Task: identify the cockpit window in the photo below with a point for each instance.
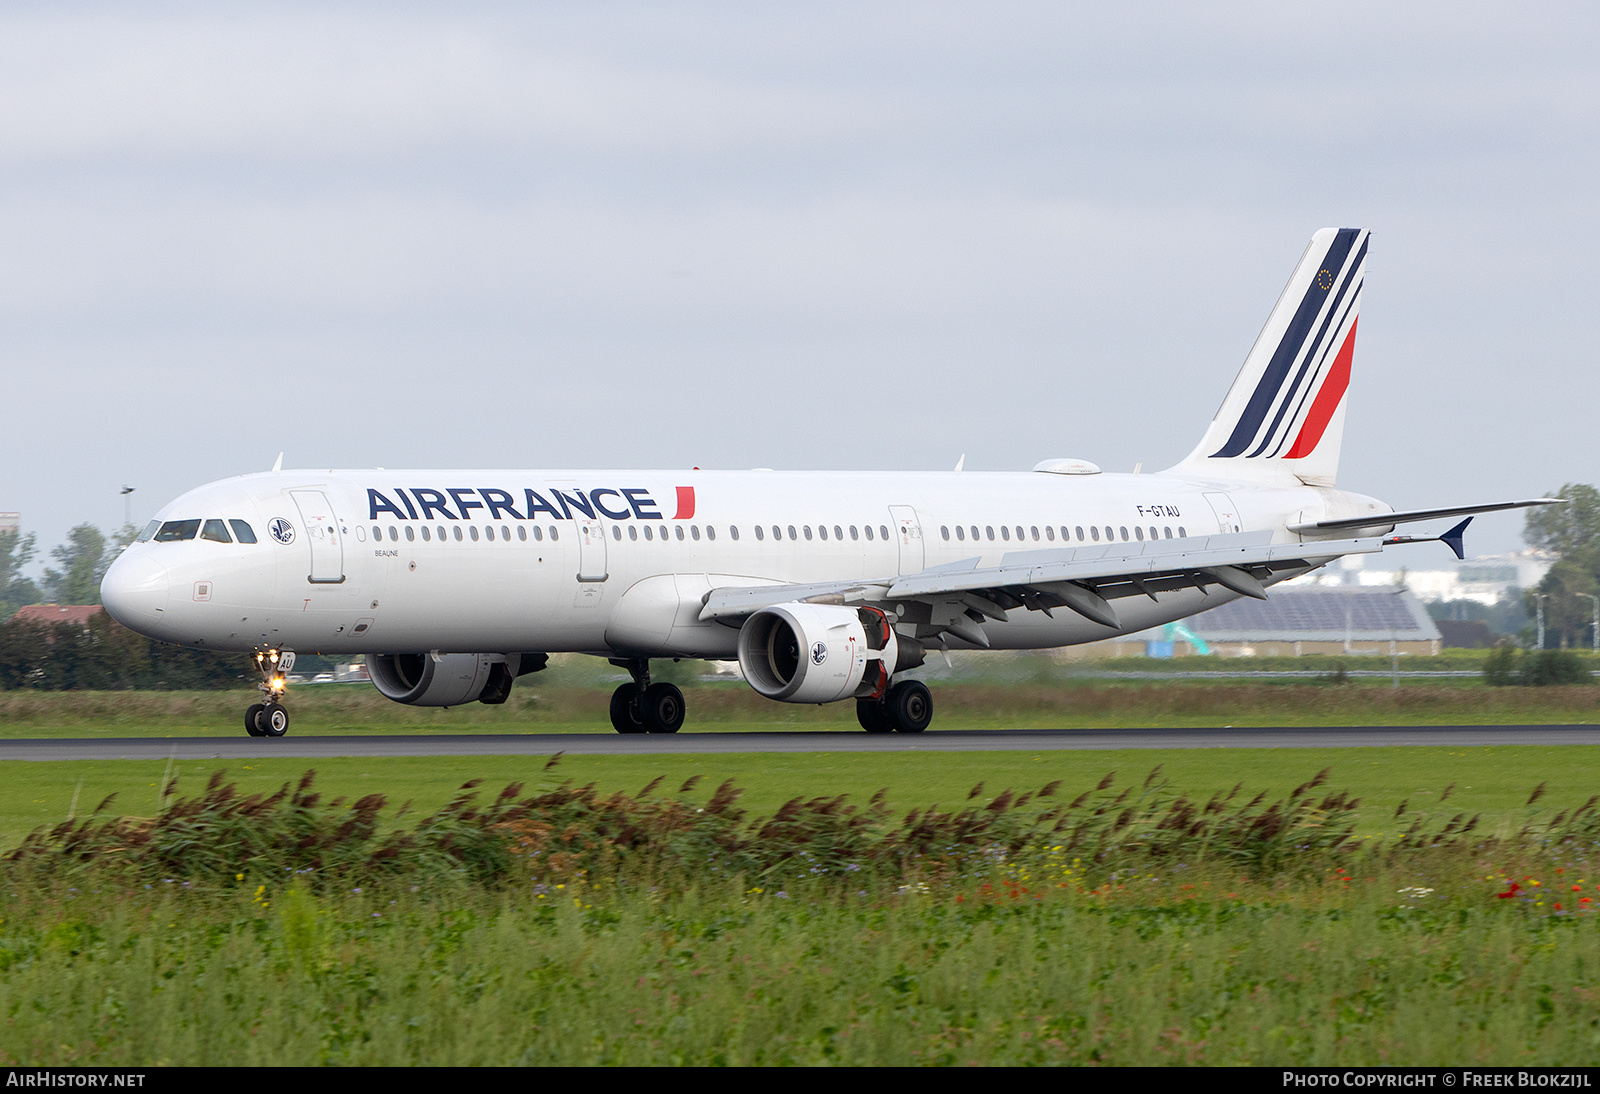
(175, 530)
(149, 530)
(242, 531)
(216, 531)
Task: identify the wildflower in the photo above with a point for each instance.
(1510, 892)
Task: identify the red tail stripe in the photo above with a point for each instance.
(1326, 402)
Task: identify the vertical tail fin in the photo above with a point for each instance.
(1284, 416)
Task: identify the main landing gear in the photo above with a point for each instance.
(270, 719)
(643, 707)
(907, 708)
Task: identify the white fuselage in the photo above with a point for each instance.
(617, 562)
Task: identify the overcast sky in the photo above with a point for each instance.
(797, 236)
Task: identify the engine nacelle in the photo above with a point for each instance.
(817, 653)
(448, 680)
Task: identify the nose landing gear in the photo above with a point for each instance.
(270, 719)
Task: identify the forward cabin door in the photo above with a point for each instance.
(322, 532)
(908, 532)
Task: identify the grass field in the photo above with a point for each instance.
(1494, 782)
(1066, 703)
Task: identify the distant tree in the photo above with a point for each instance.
(16, 551)
(1572, 532)
(83, 559)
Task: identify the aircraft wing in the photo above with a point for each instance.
(1083, 579)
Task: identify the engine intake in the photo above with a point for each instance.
(817, 653)
(451, 679)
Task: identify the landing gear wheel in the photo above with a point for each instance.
(625, 711)
(662, 709)
(273, 721)
(872, 716)
(250, 716)
(909, 706)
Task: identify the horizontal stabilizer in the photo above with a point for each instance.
(1384, 520)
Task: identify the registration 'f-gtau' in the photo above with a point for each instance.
(824, 586)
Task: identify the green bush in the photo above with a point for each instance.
(1544, 667)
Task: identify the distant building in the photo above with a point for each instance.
(1296, 620)
(10, 522)
(1485, 579)
(59, 613)
(1465, 634)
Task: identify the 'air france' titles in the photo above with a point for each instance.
(459, 503)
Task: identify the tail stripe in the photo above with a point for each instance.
(1327, 401)
(1316, 356)
(1326, 352)
(1288, 350)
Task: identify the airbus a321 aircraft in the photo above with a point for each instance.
(826, 586)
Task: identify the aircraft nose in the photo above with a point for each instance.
(134, 591)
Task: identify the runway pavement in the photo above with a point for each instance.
(1017, 740)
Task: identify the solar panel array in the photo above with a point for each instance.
(1314, 611)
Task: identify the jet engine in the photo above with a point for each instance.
(818, 653)
(450, 679)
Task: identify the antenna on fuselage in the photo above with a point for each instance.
(961, 461)
(277, 464)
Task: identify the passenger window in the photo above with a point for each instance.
(1153, 533)
(175, 530)
(472, 530)
(733, 531)
(555, 534)
(150, 530)
(760, 535)
(1019, 533)
(974, 533)
(807, 531)
(488, 532)
(791, 532)
(853, 532)
(633, 532)
(944, 531)
(1138, 533)
(838, 533)
(1095, 532)
(616, 532)
(711, 533)
(457, 530)
(869, 533)
(1049, 534)
(522, 533)
(1079, 530)
(1110, 535)
(1005, 533)
(377, 534)
(883, 530)
(1181, 533)
(1035, 532)
(961, 533)
(989, 530)
(822, 531)
(216, 532)
(1124, 533)
(1167, 528)
(394, 534)
(678, 531)
(505, 533)
(777, 533)
(242, 531)
(538, 533)
(694, 532)
(410, 534)
(647, 533)
(427, 536)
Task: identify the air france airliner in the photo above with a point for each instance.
(824, 586)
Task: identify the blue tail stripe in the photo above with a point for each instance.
(1327, 352)
(1288, 350)
(1313, 353)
